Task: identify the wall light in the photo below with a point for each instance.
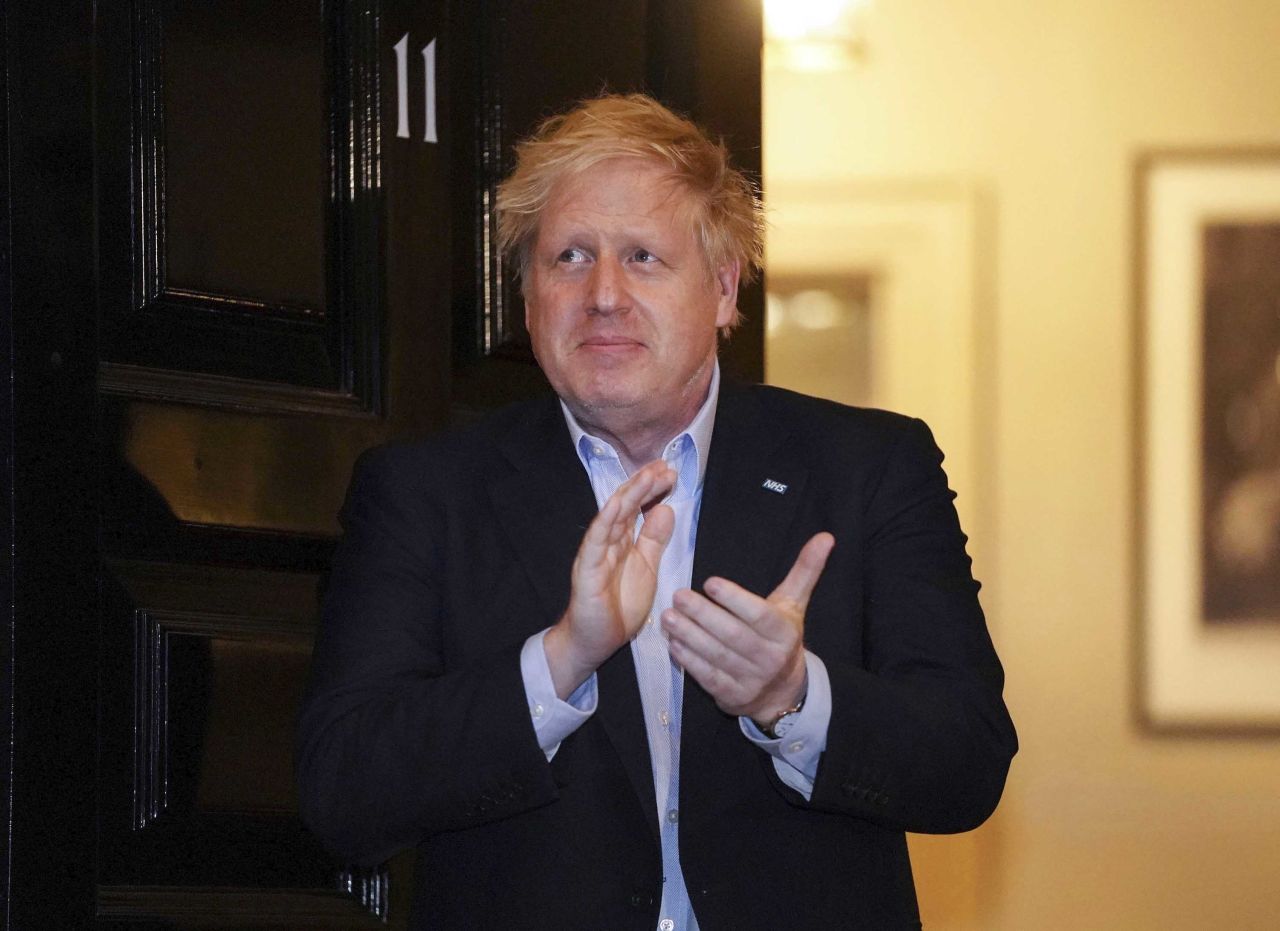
(815, 35)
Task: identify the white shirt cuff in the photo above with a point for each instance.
(795, 756)
(553, 719)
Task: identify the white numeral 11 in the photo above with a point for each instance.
(402, 88)
(429, 63)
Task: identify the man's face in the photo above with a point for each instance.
(619, 302)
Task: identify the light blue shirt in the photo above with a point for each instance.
(661, 681)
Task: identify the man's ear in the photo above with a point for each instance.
(726, 281)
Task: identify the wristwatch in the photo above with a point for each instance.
(783, 721)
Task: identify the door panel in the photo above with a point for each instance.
(237, 163)
(196, 791)
(228, 208)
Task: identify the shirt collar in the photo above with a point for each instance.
(699, 429)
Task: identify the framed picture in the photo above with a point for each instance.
(1208, 292)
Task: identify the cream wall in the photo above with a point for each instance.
(1040, 108)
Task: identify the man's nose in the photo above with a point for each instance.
(608, 294)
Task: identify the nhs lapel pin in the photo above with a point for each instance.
(775, 486)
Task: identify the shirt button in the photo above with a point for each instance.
(537, 710)
(673, 816)
(664, 718)
(666, 924)
(598, 450)
(795, 746)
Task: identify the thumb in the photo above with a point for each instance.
(798, 585)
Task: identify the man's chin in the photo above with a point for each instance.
(610, 390)
(611, 403)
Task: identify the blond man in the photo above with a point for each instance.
(663, 652)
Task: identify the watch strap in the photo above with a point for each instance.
(769, 728)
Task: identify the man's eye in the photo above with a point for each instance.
(571, 255)
(644, 255)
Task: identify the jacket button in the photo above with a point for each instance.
(640, 900)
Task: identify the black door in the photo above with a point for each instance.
(245, 240)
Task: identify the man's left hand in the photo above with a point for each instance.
(745, 650)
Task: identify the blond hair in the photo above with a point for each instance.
(727, 214)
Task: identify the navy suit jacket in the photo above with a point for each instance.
(415, 730)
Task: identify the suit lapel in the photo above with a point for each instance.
(621, 713)
(544, 505)
(544, 502)
(753, 490)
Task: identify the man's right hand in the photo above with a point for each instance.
(615, 576)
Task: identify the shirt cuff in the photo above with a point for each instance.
(795, 756)
(553, 719)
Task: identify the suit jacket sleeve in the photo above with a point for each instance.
(919, 738)
(394, 746)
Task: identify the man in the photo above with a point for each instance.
(667, 653)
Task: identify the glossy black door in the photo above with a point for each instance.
(249, 240)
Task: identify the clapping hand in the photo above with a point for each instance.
(615, 576)
(745, 650)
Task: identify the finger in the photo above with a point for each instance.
(689, 634)
(615, 521)
(735, 632)
(596, 540)
(616, 518)
(719, 684)
(655, 471)
(749, 607)
(655, 479)
(798, 585)
(655, 532)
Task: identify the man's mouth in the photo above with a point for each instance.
(610, 343)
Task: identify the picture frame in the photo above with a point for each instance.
(1207, 292)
